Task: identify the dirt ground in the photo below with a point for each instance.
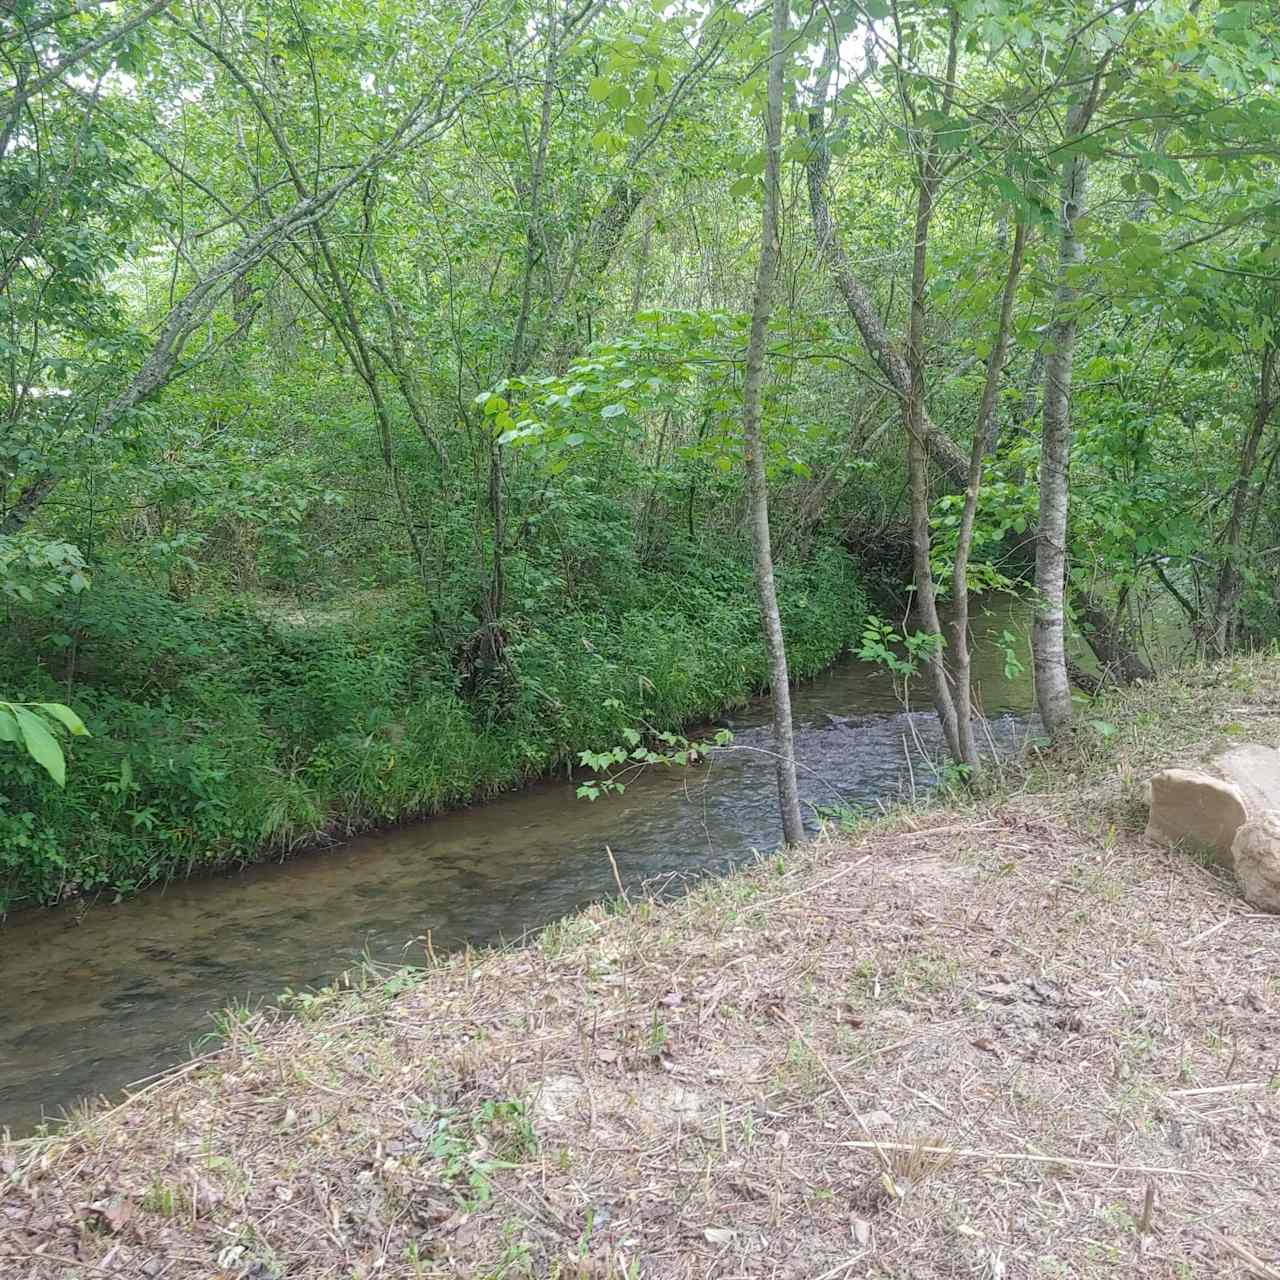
(1009, 1040)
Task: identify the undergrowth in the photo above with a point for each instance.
(224, 731)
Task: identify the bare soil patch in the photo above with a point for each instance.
(969, 1043)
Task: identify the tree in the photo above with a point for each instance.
(1048, 635)
(757, 482)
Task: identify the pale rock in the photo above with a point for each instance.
(1188, 804)
(1255, 770)
(1209, 805)
(1257, 855)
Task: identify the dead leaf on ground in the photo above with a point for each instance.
(114, 1214)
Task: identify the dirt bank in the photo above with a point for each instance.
(983, 1042)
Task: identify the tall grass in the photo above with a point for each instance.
(224, 734)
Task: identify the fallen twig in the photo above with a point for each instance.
(1262, 1269)
(1208, 933)
(1216, 1088)
(968, 1153)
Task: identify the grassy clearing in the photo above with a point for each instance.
(1008, 1040)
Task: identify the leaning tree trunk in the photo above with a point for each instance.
(771, 620)
(1049, 628)
(855, 295)
(1230, 584)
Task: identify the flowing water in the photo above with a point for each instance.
(92, 1001)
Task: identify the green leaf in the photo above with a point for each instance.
(42, 745)
(743, 187)
(66, 716)
(613, 410)
(8, 726)
(600, 88)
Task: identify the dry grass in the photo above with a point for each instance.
(986, 1043)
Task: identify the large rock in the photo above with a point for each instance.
(1190, 806)
(1208, 806)
(1256, 771)
(1257, 856)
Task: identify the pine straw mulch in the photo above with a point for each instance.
(985, 1046)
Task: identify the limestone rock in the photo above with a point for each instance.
(1257, 856)
(1209, 805)
(1188, 804)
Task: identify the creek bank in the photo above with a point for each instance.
(90, 1009)
(225, 734)
(972, 1037)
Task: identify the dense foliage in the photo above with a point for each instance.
(226, 728)
(373, 377)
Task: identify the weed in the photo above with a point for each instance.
(239, 730)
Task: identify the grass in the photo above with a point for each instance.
(223, 734)
(1007, 1038)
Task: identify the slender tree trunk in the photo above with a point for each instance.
(1049, 628)
(926, 597)
(1230, 584)
(928, 178)
(758, 488)
(984, 432)
(534, 235)
(351, 333)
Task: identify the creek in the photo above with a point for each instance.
(92, 1000)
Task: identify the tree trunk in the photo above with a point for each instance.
(758, 488)
(926, 597)
(984, 432)
(1049, 630)
(1111, 644)
(1230, 584)
(959, 737)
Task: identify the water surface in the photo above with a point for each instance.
(92, 1002)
